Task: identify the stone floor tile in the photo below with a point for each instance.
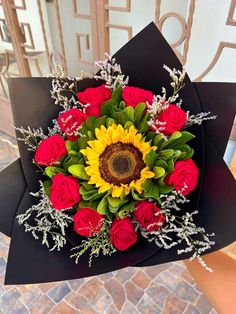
(134, 294)
(90, 288)
(176, 269)
(64, 308)
(191, 309)
(2, 265)
(203, 305)
(167, 279)
(105, 277)
(45, 287)
(75, 284)
(129, 308)
(59, 292)
(111, 310)
(153, 271)
(43, 305)
(79, 302)
(8, 300)
(3, 250)
(186, 292)
(102, 301)
(31, 297)
(158, 294)
(141, 279)
(117, 292)
(146, 306)
(125, 274)
(174, 305)
(187, 277)
(19, 308)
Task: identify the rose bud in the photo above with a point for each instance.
(149, 216)
(64, 191)
(50, 150)
(69, 122)
(174, 117)
(185, 173)
(134, 96)
(87, 222)
(95, 97)
(122, 234)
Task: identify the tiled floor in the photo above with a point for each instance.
(167, 288)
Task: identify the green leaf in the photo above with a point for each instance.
(82, 142)
(170, 164)
(99, 122)
(159, 172)
(143, 126)
(153, 191)
(186, 137)
(51, 171)
(90, 122)
(90, 204)
(114, 201)
(151, 158)
(103, 206)
(126, 209)
(122, 105)
(150, 135)
(127, 125)
(78, 171)
(69, 145)
(176, 135)
(166, 153)
(110, 122)
(138, 113)
(120, 117)
(161, 163)
(136, 196)
(117, 94)
(147, 185)
(158, 140)
(47, 187)
(129, 111)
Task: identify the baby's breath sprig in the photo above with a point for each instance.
(46, 221)
(198, 118)
(180, 229)
(161, 102)
(97, 244)
(111, 73)
(31, 137)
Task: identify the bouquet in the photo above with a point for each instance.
(118, 168)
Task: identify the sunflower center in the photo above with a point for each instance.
(121, 163)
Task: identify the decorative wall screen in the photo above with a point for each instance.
(36, 33)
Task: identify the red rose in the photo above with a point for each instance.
(147, 214)
(87, 222)
(50, 150)
(70, 121)
(95, 97)
(134, 96)
(122, 234)
(64, 191)
(185, 173)
(174, 117)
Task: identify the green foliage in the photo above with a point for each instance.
(47, 187)
(150, 159)
(51, 171)
(78, 171)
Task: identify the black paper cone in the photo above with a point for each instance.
(142, 59)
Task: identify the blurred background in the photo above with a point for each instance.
(34, 34)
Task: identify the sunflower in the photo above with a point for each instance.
(116, 160)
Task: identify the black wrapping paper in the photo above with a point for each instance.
(142, 60)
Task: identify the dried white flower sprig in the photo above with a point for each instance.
(48, 223)
(111, 73)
